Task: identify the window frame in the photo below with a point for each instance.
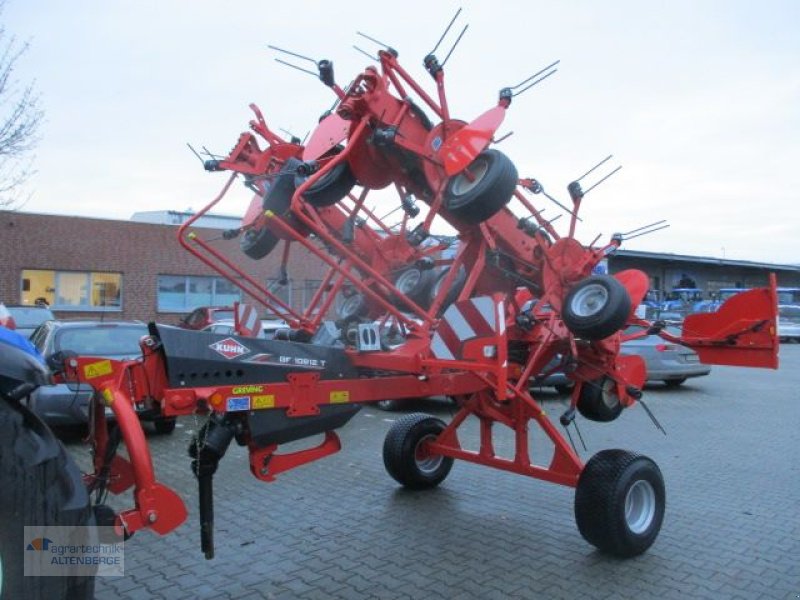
(89, 275)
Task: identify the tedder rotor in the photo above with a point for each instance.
(415, 314)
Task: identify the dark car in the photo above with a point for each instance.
(68, 403)
(27, 318)
(205, 315)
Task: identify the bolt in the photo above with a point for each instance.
(152, 516)
(264, 471)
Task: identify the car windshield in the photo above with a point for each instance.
(29, 317)
(117, 340)
(220, 315)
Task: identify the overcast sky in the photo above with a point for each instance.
(698, 100)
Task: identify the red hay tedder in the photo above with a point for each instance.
(417, 316)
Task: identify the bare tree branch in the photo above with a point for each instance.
(20, 120)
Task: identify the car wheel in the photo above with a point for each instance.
(39, 485)
(164, 425)
(596, 307)
(620, 502)
(674, 383)
(406, 457)
(598, 400)
(483, 189)
(452, 293)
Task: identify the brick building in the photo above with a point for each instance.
(136, 269)
(86, 268)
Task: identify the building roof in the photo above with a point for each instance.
(685, 258)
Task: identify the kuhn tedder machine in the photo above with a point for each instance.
(415, 316)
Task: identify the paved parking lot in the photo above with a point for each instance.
(342, 528)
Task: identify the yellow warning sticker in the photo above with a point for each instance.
(265, 401)
(97, 369)
(340, 397)
(108, 397)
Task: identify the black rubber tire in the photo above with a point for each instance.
(565, 389)
(400, 452)
(603, 493)
(418, 283)
(331, 187)
(165, 425)
(596, 307)
(455, 289)
(475, 201)
(352, 307)
(598, 400)
(39, 485)
(257, 244)
(390, 405)
(674, 383)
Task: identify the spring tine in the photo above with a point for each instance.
(288, 64)
(372, 39)
(644, 227)
(453, 20)
(521, 83)
(646, 232)
(458, 39)
(295, 54)
(365, 53)
(602, 180)
(652, 417)
(197, 154)
(606, 159)
(561, 206)
(542, 78)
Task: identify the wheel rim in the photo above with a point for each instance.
(640, 506)
(426, 462)
(350, 306)
(462, 184)
(408, 280)
(609, 393)
(590, 300)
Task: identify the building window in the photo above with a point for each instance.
(182, 293)
(72, 290)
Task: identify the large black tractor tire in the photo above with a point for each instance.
(331, 187)
(598, 400)
(620, 502)
(452, 293)
(489, 186)
(39, 485)
(415, 284)
(596, 307)
(258, 243)
(404, 455)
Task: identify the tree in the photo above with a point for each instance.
(20, 119)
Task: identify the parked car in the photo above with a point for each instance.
(27, 317)
(789, 323)
(205, 315)
(68, 403)
(227, 327)
(671, 363)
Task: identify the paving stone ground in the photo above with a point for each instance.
(342, 528)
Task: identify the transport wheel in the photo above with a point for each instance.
(165, 425)
(486, 187)
(39, 485)
(415, 285)
(675, 383)
(332, 187)
(619, 502)
(405, 456)
(453, 292)
(598, 400)
(596, 307)
(258, 243)
(352, 307)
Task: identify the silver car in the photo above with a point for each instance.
(68, 403)
(671, 363)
